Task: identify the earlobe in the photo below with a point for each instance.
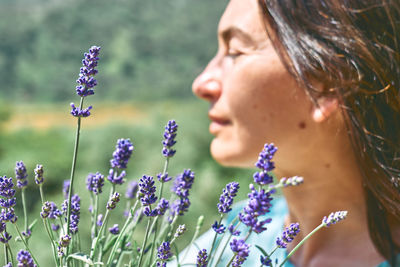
(326, 107)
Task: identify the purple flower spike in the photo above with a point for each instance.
(75, 212)
(265, 261)
(266, 165)
(226, 198)
(8, 265)
(169, 139)
(20, 174)
(232, 230)
(334, 217)
(162, 207)
(147, 190)
(132, 189)
(163, 254)
(99, 220)
(218, 228)
(259, 204)
(95, 182)
(5, 237)
(66, 188)
(77, 112)
(202, 258)
(55, 227)
(288, 235)
(114, 230)
(39, 174)
(112, 203)
(114, 178)
(86, 81)
(122, 153)
(241, 251)
(163, 178)
(6, 187)
(45, 210)
(24, 259)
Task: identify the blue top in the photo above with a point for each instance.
(278, 213)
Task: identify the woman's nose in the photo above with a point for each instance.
(208, 84)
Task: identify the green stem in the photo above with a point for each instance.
(196, 233)
(211, 257)
(41, 193)
(114, 249)
(24, 209)
(51, 240)
(26, 245)
(144, 242)
(302, 242)
(227, 242)
(6, 254)
(94, 246)
(71, 181)
(96, 212)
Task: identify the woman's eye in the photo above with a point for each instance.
(234, 54)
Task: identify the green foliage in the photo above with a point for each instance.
(151, 49)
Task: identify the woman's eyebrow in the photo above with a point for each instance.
(233, 31)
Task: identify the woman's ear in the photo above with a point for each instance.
(326, 107)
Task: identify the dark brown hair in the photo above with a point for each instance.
(353, 48)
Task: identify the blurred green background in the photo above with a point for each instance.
(151, 52)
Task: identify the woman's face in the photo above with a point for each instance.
(253, 99)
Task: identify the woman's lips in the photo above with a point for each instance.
(217, 123)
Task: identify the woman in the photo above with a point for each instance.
(323, 86)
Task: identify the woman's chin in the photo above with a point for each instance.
(229, 155)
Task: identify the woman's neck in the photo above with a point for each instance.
(332, 182)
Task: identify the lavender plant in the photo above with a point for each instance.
(144, 202)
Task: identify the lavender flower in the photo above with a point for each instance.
(182, 184)
(45, 210)
(66, 188)
(288, 235)
(132, 189)
(112, 203)
(114, 230)
(265, 261)
(26, 233)
(169, 139)
(162, 206)
(147, 190)
(334, 217)
(122, 153)
(241, 251)
(39, 174)
(259, 204)
(163, 178)
(266, 165)
(180, 230)
(55, 227)
(77, 112)
(164, 251)
(232, 230)
(8, 265)
(24, 259)
(95, 182)
(86, 81)
(20, 174)
(226, 198)
(202, 258)
(5, 237)
(99, 220)
(8, 202)
(64, 241)
(75, 212)
(218, 228)
(114, 178)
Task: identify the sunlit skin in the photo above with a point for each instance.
(254, 100)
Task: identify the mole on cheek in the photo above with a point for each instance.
(302, 125)
(327, 165)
